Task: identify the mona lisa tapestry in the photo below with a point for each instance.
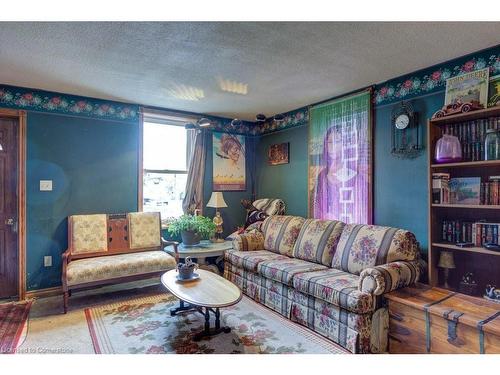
(340, 160)
(228, 162)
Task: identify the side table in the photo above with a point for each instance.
(202, 251)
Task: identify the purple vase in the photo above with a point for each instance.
(448, 149)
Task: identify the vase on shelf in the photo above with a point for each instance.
(448, 149)
(492, 145)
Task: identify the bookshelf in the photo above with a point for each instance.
(484, 263)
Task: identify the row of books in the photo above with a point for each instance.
(471, 135)
(465, 190)
(477, 233)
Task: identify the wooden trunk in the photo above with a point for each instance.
(434, 320)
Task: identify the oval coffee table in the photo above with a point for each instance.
(209, 293)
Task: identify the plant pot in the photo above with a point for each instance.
(190, 238)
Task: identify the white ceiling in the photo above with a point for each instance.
(284, 65)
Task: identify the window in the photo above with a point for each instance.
(165, 155)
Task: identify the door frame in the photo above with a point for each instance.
(21, 194)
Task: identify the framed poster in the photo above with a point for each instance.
(278, 154)
(494, 91)
(228, 151)
(467, 87)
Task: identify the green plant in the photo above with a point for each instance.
(199, 224)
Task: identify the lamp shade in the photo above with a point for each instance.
(217, 200)
(446, 260)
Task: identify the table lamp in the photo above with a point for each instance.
(217, 201)
(446, 262)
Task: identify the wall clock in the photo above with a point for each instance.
(405, 131)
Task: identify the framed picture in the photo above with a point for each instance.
(278, 154)
(228, 151)
(468, 87)
(465, 190)
(494, 91)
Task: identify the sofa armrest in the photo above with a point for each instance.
(248, 241)
(388, 277)
(66, 258)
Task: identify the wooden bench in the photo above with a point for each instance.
(109, 249)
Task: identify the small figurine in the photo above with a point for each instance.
(492, 292)
(458, 107)
(217, 220)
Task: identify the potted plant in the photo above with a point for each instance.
(192, 228)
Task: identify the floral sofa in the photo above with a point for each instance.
(109, 249)
(326, 275)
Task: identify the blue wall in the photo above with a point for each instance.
(400, 185)
(93, 166)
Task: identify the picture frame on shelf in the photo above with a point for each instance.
(494, 91)
(468, 87)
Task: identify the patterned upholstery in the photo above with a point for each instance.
(89, 234)
(317, 241)
(363, 246)
(280, 233)
(270, 206)
(388, 277)
(248, 260)
(336, 287)
(144, 230)
(251, 240)
(283, 270)
(112, 266)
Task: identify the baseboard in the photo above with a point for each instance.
(47, 292)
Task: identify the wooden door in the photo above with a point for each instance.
(8, 207)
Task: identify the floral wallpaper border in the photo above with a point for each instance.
(434, 79)
(46, 101)
(292, 119)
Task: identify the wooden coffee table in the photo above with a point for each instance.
(208, 294)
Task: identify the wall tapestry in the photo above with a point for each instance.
(228, 162)
(278, 154)
(340, 160)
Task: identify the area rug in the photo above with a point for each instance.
(13, 318)
(144, 325)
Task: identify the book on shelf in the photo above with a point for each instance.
(490, 191)
(465, 190)
(478, 233)
(440, 188)
(471, 135)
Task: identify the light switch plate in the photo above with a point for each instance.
(47, 261)
(45, 185)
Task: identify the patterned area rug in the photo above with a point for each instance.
(144, 325)
(12, 321)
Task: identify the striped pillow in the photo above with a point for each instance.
(362, 246)
(318, 241)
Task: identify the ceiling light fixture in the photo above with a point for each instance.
(260, 117)
(236, 122)
(279, 117)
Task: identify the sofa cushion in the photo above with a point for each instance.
(336, 287)
(317, 240)
(248, 260)
(144, 230)
(113, 266)
(283, 270)
(89, 234)
(363, 246)
(280, 233)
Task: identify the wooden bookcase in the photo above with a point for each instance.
(485, 264)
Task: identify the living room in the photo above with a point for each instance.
(265, 188)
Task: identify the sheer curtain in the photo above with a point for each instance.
(340, 160)
(196, 156)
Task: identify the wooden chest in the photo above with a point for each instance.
(433, 320)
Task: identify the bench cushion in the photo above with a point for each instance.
(108, 267)
(336, 287)
(89, 234)
(144, 230)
